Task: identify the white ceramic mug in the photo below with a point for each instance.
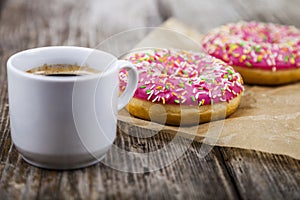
(65, 122)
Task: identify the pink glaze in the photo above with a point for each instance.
(183, 77)
(265, 46)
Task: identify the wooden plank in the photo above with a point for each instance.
(279, 11)
(263, 176)
(205, 15)
(187, 177)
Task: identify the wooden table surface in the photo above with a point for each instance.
(225, 173)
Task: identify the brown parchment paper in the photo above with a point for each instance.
(267, 120)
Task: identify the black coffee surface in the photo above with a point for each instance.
(62, 70)
(63, 74)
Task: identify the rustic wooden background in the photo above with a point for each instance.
(225, 173)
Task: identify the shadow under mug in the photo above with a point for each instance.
(65, 122)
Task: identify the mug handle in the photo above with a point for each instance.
(131, 84)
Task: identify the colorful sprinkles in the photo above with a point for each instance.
(171, 76)
(265, 46)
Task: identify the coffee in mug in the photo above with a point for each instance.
(62, 70)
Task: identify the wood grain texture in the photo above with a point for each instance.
(254, 174)
(205, 15)
(224, 173)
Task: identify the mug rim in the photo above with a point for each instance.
(53, 78)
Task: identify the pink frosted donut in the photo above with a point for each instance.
(181, 80)
(264, 53)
